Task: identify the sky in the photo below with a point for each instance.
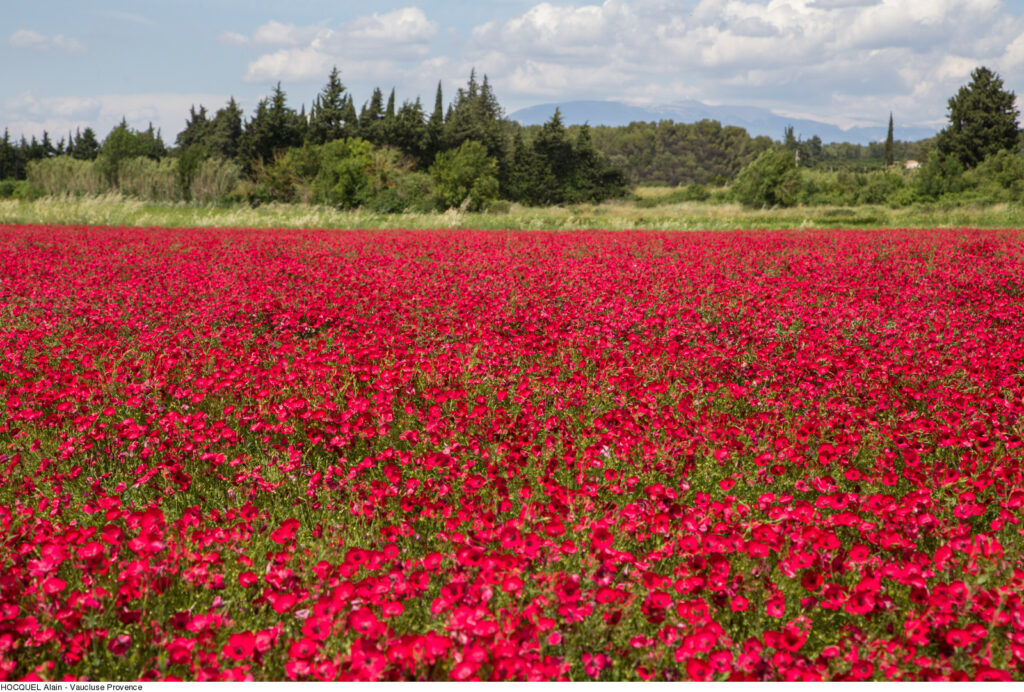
(73, 64)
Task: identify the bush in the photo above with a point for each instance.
(693, 192)
(151, 180)
(344, 177)
(188, 164)
(999, 178)
(214, 180)
(940, 175)
(771, 180)
(465, 177)
(19, 189)
(879, 187)
(64, 175)
(411, 191)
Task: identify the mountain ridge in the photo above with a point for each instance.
(756, 121)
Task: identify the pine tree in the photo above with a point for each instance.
(226, 131)
(326, 121)
(476, 115)
(197, 129)
(388, 124)
(982, 120)
(274, 128)
(409, 130)
(527, 179)
(349, 119)
(371, 118)
(85, 146)
(8, 158)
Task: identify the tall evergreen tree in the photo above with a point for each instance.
(409, 130)
(371, 118)
(890, 145)
(11, 165)
(226, 131)
(982, 120)
(528, 180)
(85, 147)
(326, 119)
(435, 130)
(349, 118)
(475, 114)
(197, 129)
(273, 129)
(388, 124)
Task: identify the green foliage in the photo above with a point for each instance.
(528, 179)
(771, 180)
(12, 159)
(124, 144)
(19, 189)
(690, 193)
(371, 119)
(66, 175)
(940, 175)
(328, 119)
(476, 115)
(982, 120)
(559, 167)
(84, 146)
(678, 153)
(214, 180)
(890, 145)
(346, 166)
(147, 179)
(1004, 170)
(273, 129)
(224, 136)
(188, 164)
(407, 130)
(465, 177)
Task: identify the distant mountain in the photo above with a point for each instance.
(756, 121)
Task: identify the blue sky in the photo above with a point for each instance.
(73, 64)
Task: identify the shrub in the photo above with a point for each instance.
(147, 179)
(65, 175)
(18, 189)
(940, 175)
(465, 177)
(214, 180)
(1000, 177)
(771, 180)
(344, 177)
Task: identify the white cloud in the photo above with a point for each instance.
(308, 52)
(33, 40)
(297, 64)
(30, 114)
(26, 38)
(844, 60)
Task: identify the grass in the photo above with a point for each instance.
(115, 210)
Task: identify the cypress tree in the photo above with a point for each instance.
(890, 151)
(435, 131)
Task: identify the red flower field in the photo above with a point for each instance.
(321, 455)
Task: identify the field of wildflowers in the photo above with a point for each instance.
(322, 455)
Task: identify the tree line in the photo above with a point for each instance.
(977, 157)
(387, 156)
(392, 157)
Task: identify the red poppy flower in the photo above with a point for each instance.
(240, 646)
